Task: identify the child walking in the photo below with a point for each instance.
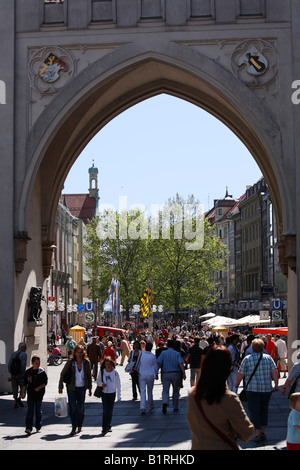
(34, 381)
(293, 431)
(109, 379)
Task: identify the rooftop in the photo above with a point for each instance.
(81, 206)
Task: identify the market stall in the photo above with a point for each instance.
(77, 332)
(220, 330)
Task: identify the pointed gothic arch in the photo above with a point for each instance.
(125, 77)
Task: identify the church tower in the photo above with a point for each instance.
(93, 188)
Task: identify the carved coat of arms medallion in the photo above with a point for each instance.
(254, 62)
(50, 68)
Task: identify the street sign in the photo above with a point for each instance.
(276, 315)
(89, 317)
(51, 299)
(80, 307)
(264, 314)
(51, 305)
(276, 304)
(89, 306)
(266, 304)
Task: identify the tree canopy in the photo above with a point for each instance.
(176, 249)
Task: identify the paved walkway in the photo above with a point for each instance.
(130, 429)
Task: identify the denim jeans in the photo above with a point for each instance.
(135, 384)
(76, 399)
(168, 379)
(146, 386)
(258, 405)
(108, 400)
(33, 407)
(231, 381)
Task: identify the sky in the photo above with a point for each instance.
(160, 147)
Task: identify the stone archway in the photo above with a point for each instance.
(98, 95)
(115, 62)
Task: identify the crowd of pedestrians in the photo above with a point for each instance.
(218, 365)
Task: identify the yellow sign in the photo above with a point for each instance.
(146, 303)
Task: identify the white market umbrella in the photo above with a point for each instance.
(247, 320)
(218, 321)
(208, 315)
(261, 322)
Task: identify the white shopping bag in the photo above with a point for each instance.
(61, 407)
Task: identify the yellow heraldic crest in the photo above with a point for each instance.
(255, 62)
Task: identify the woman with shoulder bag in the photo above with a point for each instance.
(78, 378)
(215, 415)
(260, 387)
(134, 357)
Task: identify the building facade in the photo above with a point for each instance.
(252, 274)
(67, 284)
(220, 217)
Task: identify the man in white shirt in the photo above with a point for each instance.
(203, 343)
(282, 353)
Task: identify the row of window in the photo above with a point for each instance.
(251, 233)
(198, 8)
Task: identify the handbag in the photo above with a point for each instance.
(99, 389)
(98, 392)
(223, 436)
(129, 367)
(132, 366)
(243, 394)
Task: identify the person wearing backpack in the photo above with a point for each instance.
(71, 346)
(16, 368)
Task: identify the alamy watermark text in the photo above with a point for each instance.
(187, 221)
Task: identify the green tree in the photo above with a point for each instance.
(111, 252)
(177, 251)
(183, 273)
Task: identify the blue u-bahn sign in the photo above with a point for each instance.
(89, 306)
(276, 304)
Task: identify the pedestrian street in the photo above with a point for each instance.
(131, 431)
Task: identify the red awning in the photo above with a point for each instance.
(283, 330)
